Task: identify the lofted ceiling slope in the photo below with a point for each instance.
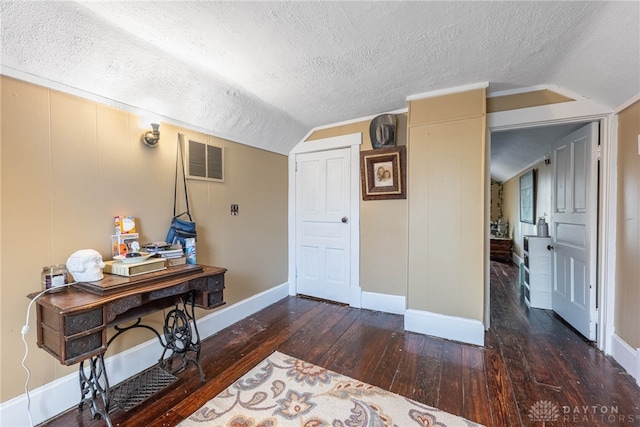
(265, 73)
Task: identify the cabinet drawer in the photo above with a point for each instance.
(83, 347)
(75, 323)
(526, 260)
(209, 291)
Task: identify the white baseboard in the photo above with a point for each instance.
(382, 302)
(454, 328)
(59, 395)
(626, 356)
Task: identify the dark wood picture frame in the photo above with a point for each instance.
(528, 197)
(383, 173)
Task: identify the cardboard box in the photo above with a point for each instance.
(125, 224)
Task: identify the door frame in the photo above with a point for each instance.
(352, 141)
(577, 111)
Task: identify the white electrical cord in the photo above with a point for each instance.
(25, 330)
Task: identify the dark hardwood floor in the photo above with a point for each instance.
(530, 356)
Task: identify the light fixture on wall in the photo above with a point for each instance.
(547, 159)
(151, 138)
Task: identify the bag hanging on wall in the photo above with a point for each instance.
(180, 229)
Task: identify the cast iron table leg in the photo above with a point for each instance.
(95, 386)
(180, 338)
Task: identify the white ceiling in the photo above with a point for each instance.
(266, 73)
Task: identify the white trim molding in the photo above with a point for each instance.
(461, 329)
(557, 89)
(395, 304)
(59, 395)
(564, 112)
(626, 356)
(448, 91)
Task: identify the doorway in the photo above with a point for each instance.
(324, 230)
(537, 119)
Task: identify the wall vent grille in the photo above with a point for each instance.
(205, 161)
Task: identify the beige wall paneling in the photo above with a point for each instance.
(448, 107)
(69, 165)
(252, 245)
(446, 218)
(524, 100)
(25, 225)
(627, 317)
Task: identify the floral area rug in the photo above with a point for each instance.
(285, 391)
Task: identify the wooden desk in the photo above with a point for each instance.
(72, 324)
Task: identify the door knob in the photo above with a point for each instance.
(345, 219)
(549, 247)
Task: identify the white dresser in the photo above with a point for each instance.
(537, 272)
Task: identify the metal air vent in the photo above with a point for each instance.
(205, 161)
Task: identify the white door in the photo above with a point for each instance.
(574, 229)
(323, 198)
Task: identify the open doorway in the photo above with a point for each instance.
(548, 153)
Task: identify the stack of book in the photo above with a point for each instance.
(172, 253)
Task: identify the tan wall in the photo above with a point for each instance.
(627, 313)
(447, 217)
(70, 165)
(383, 224)
(524, 100)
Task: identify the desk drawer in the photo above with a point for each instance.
(209, 291)
(72, 337)
(76, 323)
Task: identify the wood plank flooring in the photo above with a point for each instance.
(530, 356)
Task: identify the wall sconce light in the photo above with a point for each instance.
(547, 160)
(151, 138)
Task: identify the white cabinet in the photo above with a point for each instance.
(537, 272)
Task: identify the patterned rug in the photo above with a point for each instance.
(285, 391)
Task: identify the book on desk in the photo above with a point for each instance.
(135, 269)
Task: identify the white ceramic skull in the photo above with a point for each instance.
(85, 265)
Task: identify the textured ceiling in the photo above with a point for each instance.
(265, 73)
(514, 151)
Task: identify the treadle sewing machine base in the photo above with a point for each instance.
(72, 326)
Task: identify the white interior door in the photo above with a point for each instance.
(574, 229)
(323, 197)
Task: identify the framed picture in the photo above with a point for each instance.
(528, 197)
(384, 173)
